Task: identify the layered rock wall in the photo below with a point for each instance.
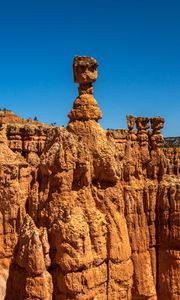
(88, 213)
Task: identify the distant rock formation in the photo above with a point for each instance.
(88, 213)
(7, 116)
(172, 142)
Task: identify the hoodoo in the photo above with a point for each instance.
(88, 213)
(85, 106)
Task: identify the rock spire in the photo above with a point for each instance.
(85, 106)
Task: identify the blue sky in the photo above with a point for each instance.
(136, 42)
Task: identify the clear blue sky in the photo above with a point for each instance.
(136, 42)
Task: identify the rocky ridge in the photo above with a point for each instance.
(88, 213)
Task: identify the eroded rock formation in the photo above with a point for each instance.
(88, 213)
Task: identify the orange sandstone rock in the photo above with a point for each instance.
(88, 213)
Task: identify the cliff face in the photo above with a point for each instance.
(88, 213)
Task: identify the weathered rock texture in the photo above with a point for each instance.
(88, 213)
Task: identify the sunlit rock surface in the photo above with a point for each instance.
(88, 213)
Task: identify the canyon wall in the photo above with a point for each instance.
(88, 213)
